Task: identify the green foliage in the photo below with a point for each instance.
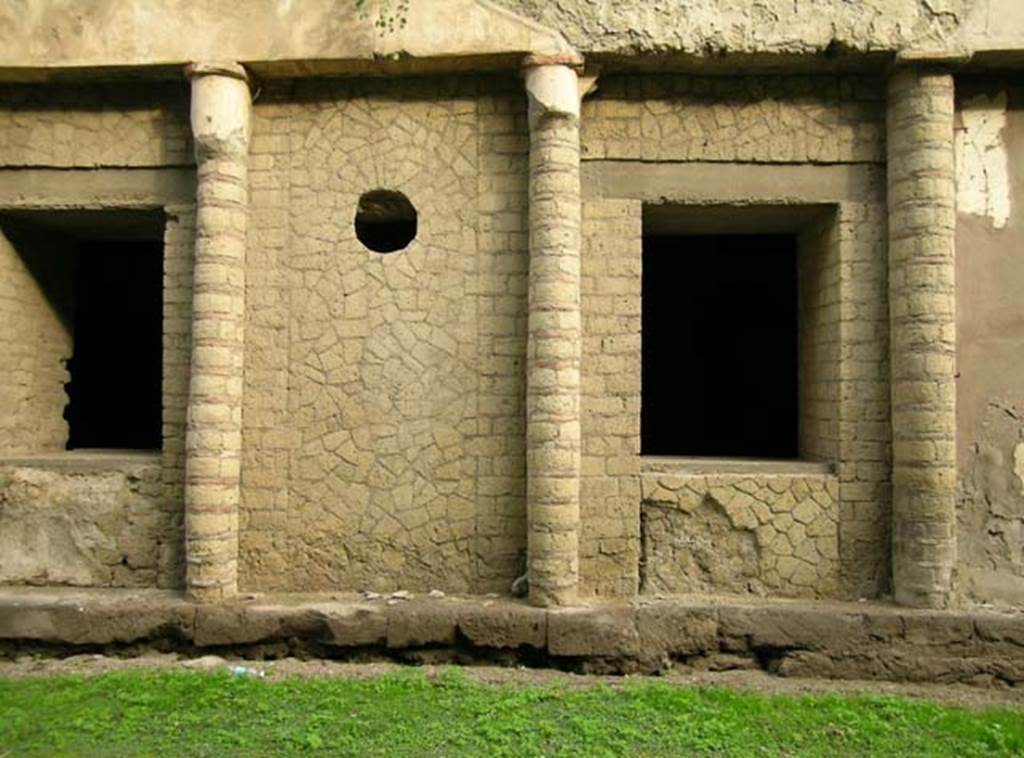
(391, 14)
(202, 714)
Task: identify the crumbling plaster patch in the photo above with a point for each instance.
(702, 27)
(768, 534)
(982, 178)
(991, 510)
(95, 528)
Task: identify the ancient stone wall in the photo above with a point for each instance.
(990, 341)
(383, 418)
(92, 148)
(778, 119)
(610, 487)
(95, 125)
(95, 521)
(36, 306)
(741, 533)
(864, 464)
(700, 132)
(818, 345)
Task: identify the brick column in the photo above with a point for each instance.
(922, 221)
(221, 110)
(554, 335)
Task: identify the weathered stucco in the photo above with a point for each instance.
(86, 521)
(334, 35)
(742, 533)
(990, 403)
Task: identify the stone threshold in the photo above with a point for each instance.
(84, 461)
(652, 635)
(697, 466)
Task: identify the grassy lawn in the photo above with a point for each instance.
(191, 713)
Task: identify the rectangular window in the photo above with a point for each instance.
(114, 393)
(86, 296)
(719, 345)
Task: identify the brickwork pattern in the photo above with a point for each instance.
(783, 119)
(179, 244)
(264, 543)
(818, 343)
(739, 533)
(36, 299)
(502, 250)
(213, 438)
(922, 222)
(610, 484)
(96, 125)
(864, 461)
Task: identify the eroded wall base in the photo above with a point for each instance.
(789, 638)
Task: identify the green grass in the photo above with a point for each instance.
(197, 714)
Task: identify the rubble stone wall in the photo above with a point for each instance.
(760, 534)
(384, 404)
(96, 125)
(659, 122)
(36, 304)
(753, 119)
(96, 522)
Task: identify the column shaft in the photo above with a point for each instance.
(922, 221)
(220, 118)
(554, 337)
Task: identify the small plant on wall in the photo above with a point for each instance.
(391, 14)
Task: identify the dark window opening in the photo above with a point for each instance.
(385, 221)
(719, 348)
(114, 396)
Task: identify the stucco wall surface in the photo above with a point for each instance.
(45, 34)
(990, 340)
(631, 27)
(383, 421)
(87, 521)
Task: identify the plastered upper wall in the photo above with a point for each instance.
(302, 37)
(710, 27)
(46, 34)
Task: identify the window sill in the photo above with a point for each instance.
(83, 461)
(686, 465)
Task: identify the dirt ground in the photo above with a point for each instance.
(746, 680)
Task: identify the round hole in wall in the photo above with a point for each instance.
(385, 221)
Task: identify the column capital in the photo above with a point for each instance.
(553, 90)
(221, 111)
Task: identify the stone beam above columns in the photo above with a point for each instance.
(922, 223)
(554, 334)
(220, 117)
